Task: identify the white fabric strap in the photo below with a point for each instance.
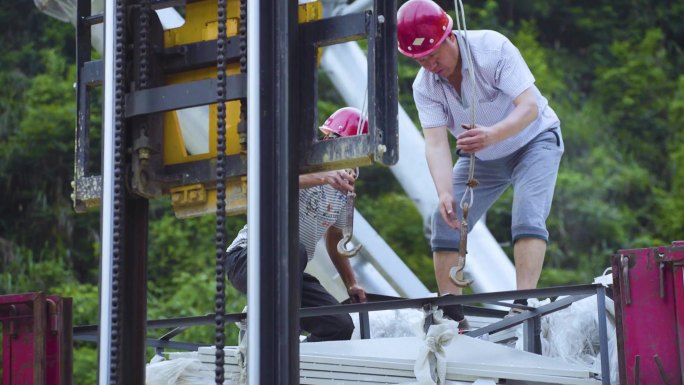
(432, 355)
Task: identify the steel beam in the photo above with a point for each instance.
(273, 262)
(383, 100)
(183, 95)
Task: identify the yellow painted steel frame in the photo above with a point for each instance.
(201, 24)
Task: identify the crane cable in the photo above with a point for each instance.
(468, 196)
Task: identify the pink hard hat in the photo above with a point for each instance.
(421, 27)
(345, 122)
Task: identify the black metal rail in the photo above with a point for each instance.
(564, 296)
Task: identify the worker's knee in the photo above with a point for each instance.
(346, 328)
(303, 257)
(329, 328)
(527, 231)
(443, 237)
(235, 263)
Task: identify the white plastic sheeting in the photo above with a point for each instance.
(64, 10)
(572, 335)
(185, 370)
(391, 323)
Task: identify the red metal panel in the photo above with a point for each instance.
(58, 341)
(676, 255)
(37, 339)
(679, 300)
(649, 326)
(23, 354)
(678, 243)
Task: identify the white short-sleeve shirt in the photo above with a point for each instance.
(501, 75)
(319, 208)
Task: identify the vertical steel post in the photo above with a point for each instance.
(531, 335)
(143, 132)
(59, 341)
(24, 324)
(678, 285)
(383, 99)
(83, 49)
(253, 187)
(603, 335)
(133, 293)
(107, 205)
(37, 339)
(273, 293)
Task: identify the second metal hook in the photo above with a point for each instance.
(342, 247)
(453, 275)
(463, 250)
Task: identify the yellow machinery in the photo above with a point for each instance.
(187, 145)
(201, 25)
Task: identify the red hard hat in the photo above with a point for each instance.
(421, 27)
(345, 122)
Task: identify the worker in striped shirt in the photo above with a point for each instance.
(322, 209)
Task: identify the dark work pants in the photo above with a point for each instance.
(320, 328)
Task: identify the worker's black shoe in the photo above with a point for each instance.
(455, 313)
(516, 310)
(463, 325)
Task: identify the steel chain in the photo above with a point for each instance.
(220, 190)
(143, 68)
(118, 184)
(242, 31)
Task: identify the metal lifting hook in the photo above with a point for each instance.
(456, 272)
(348, 229)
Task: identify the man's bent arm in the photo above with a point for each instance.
(525, 112)
(342, 264)
(439, 161)
(339, 179)
(478, 137)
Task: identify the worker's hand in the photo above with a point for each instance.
(448, 210)
(474, 139)
(342, 180)
(356, 294)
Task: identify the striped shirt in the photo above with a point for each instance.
(319, 208)
(501, 75)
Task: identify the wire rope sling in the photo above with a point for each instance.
(456, 272)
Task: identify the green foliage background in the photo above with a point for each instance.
(612, 73)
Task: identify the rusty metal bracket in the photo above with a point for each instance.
(624, 260)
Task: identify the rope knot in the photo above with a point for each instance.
(433, 344)
(472, 183)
